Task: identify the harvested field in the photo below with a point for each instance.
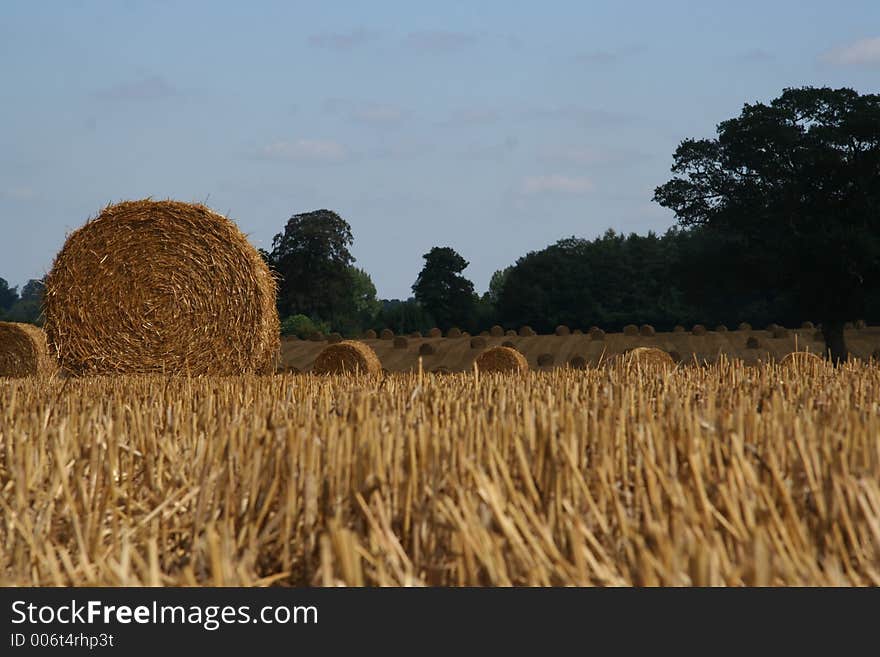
(721, 475)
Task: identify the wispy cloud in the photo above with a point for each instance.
(556, 184)
(864, 52)
(362, 112)
(305, 150)
(343, 41)
(439, 41)
(19, 193)
(154, 87)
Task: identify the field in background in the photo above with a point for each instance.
(721, 475)
(456, 354)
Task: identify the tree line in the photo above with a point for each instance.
(778, 221)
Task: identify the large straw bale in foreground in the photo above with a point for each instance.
(161, 286)
(646, 357)
(24, 351)
(347, 357)
(502, 359)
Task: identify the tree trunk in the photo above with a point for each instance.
(835, 345)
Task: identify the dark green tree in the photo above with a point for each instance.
(8, 295)
(791, 187)
(442, 290)
(312, 260)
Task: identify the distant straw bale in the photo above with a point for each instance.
(496, 331)
(562, 330)
(526, 332)
(333, 338)
(484, 334)
(721, 328)
(808, 325)
(316, 336)
(511, 333)
(453, 333)
(545, 360)
(400, 342)
(509, 344)
(861, 324)
(478, 342)
(415, 334)
(427, 349)
(597, 334)
(698, 329)
(370, 334)
(577, 363)
(465, 334)
(772, 327)
(347, 357)
(161, 286)
(647, 331)
(386, 334)
(646, 357)
(780, 332)
(24, 351)
(630, 329)
(502, 359)
(802, 360)
(744, 326)
(435, 333)
(577, 331)
(679, 329)
(752, 343)
(848, 326)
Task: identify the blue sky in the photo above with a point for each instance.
(496, 128)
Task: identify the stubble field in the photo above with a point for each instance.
(728, 474)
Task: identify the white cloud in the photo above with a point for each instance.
(556, 184)
(306, 150)
(865, 52)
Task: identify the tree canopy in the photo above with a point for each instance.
(791, 188)
(442, 290)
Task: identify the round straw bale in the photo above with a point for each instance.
(679, 329)
(780, 332)
(435, 333)
(502, 359)
(545, 360)
(484, 334)
(577, 331)
(577, 363)
(509, 344)
(647, 331)
(808, 325)
(426, 349)
(415, 334)
(597, 334)
(386, 334)
(370, 334)
(334, 337)
(861, 324)
(496, 331)
(510, 333)
(465, 334)
(161, 286)
(347, 357)
(698, 329)
(772, 327)
(721, 328)
(478, 342)
(752, 343)
(453, 333)
(647, 357)
(744, 326)
(630, 329)
(562, 330)
(24, 351)
(316, 336)
(802, 360)
(400, 342)
(526, 332)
